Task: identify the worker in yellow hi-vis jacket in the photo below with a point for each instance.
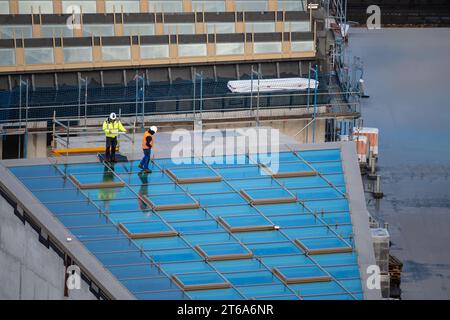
(112, 126)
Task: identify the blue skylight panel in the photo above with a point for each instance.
(327, 205)
(193, 175)
(150, 229)
(304, 274)
(35, 171)
(201, 281)
(320, 155)
(324, 245)
(246, 223)
(277, 248)
(267, 196)
(224, 251)
(250, 171)
(97, 180)
(172, 202)
(251, 278)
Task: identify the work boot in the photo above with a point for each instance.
(113, 160)
(147, 171)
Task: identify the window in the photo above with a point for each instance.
(291, 5)
(39, 56)
(125, 6)
(220, 27)
(35, 6)
(254, 5)
(179, 28)
(11, 31)
(260, 27)
(302, 46)
(192, 50)
(208, 5)
(85, 6)
(297, 26)
(77, 54)
(4, 7)
(267, 47)
(154, 51)
(50, 31)
(104, 30)
(7, 57)
(116, 53)
(165, 6)
(145, 29)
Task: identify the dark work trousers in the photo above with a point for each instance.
(110, 153)
(146, 159)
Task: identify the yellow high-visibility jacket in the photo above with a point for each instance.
(112, 129)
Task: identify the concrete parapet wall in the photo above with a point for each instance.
(28, 269)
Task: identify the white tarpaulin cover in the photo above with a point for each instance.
(268, 85)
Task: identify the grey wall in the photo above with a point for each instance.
(28, 270)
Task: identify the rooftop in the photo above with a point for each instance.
(222, 227)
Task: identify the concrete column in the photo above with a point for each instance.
(36, 140)
(37, 145)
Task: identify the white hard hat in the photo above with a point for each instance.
(154, 129)
(113, 116)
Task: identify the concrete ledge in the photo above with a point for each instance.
(359, 216)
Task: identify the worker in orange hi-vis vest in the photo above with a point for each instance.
(148, 141)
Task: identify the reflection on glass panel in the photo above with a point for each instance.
(7, 57)
(39, 55)
(35, 6)
(223, 49)
(296, 26)
(260, 26)
(61, 30)
(267, 47)
(179, 28)
(299, 46)
(145, 29)
(192, 50)
(254, 5)
(116, 53)
(165, 6)
(11, 31)
(208, 5)
(220, 27)
(77, 54)
(103, 30)
(118, 6)
(85, 6)
(154, 51)
(291, 5)
(4, 7)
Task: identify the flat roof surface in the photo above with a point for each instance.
(247, 235)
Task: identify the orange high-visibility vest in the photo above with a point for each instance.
(144, 140)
